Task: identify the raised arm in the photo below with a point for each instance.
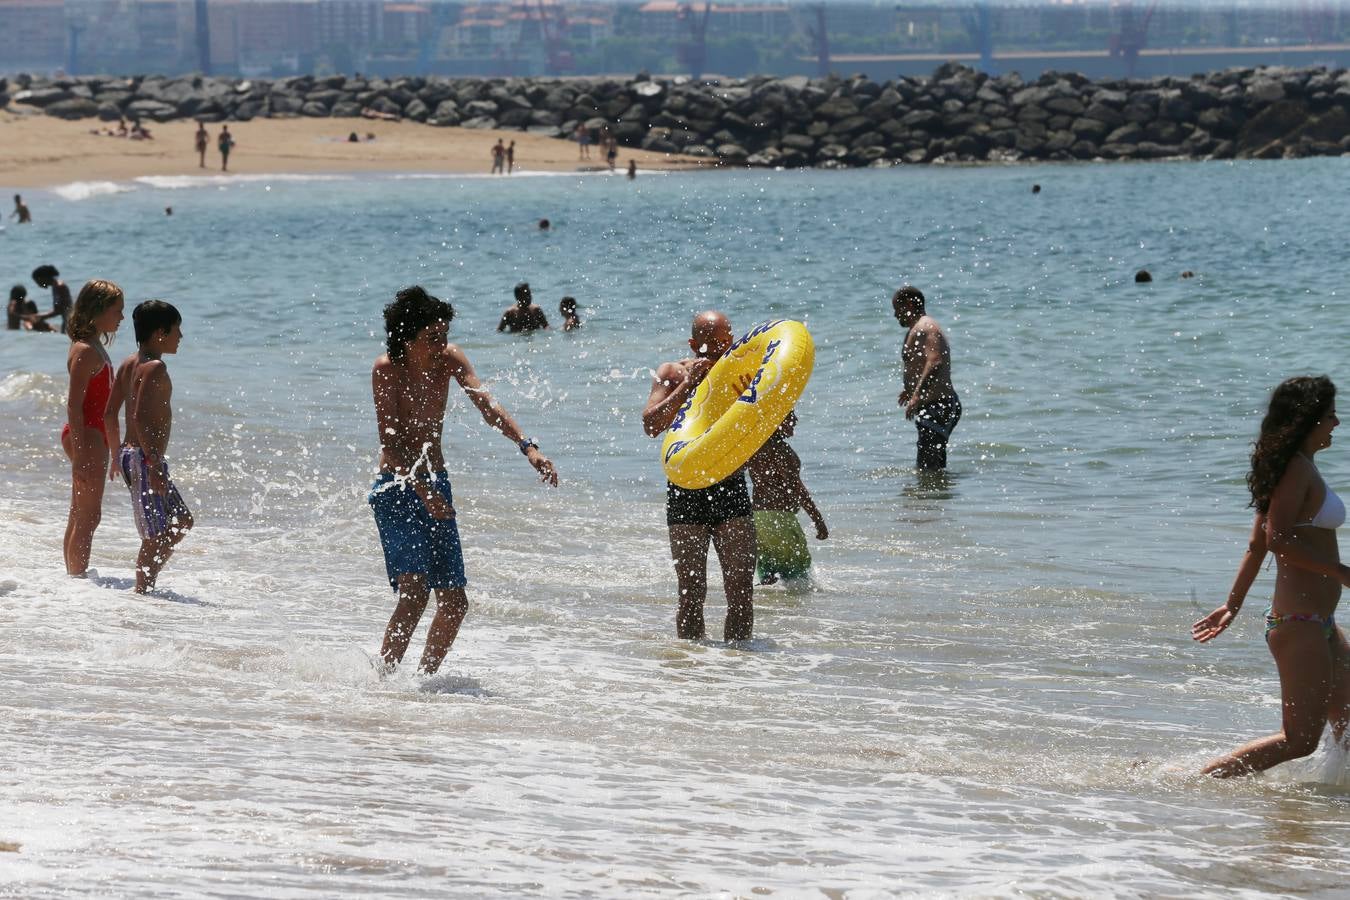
(495, 414)
(1281, 535)
(670, 388)
(1214, 624)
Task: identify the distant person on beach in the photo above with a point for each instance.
(411, 498)
(93, 457)
(567, 308)
(1297, 514)
(777, 492)
(929, 398)
(47, 277)
(498, 157)
(525, 316)
(694, 517)
(225, 144)
(21, 211)
(511, 158)
(142, 381)
(353, 138)
(203, 141)
(632, 169)
(612, 151)
(582, 135)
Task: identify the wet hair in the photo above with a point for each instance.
(1296, 406)
(567, 303)
(523, 292)
(153, 316)
(1035, 188)
(543, 224)
(18, 292)
(96, 298)
(1142, 277)
(45, 273)
(412, 311)
(909, 294)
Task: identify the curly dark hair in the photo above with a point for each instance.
(413, 309)
(1296, 406)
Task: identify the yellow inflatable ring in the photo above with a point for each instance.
(717, 430)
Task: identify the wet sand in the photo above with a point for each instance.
(41, 151)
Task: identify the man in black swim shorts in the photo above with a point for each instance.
(928, 397)
(720, 514)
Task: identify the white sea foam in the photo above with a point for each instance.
(86, 190)
(186, 182)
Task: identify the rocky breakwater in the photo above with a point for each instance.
(956, 115)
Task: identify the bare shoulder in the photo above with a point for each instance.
(84, 356)
(455, 359)
(384, 366)
(669, 372)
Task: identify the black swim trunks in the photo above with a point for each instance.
(710, 506)
(935, 422)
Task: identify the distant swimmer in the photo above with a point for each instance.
(47, 277)
(525, 316)
(202, 140)
(1297, 514)
(777, 492)
(93, 457)
(545, 225)
(720, 513)
(21, 211)
(14, 311)
(225, 144)
(567, 308)
(411, 498)
(1188, 274)
(929, 398)
(1035, 188)
(168, 210)
(1142, 277)
(142, 382)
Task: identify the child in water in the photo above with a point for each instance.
(778, 492)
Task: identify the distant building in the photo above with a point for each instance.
(32, 35)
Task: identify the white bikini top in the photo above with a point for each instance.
(1332, 513)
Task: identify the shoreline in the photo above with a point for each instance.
(44, 153)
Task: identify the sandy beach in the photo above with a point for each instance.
(41, 151)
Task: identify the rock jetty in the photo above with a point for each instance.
(955, 115)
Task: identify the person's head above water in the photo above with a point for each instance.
(523, 296)
(544, 225)
(1301, 415)
(416, 317)
(711, 335)
(18, 292)
(907, 305)
(1142, 277)
(151, 317)
(568, 306)
(45, 276)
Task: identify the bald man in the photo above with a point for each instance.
(720, 514)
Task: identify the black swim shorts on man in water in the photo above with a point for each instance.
(935, 422)
(710, 506)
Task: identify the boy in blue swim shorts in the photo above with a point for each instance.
(413, 505)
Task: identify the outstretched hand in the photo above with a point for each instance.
(544, 467)
(1213, 625)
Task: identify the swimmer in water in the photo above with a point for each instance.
(777, 493)
(525, 316)
(1297, 515)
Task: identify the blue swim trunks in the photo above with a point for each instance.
(415, 543)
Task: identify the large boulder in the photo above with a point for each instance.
(156, 110)
(42, 97)
(74, 108)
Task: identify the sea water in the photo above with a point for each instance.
(991, 689)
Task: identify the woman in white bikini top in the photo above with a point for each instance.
(1301, 633)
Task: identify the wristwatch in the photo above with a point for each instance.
(526, 444)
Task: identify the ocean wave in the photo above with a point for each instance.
(19, 385)
(84, 190)
(183, 182)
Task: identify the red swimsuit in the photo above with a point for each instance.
(96, 402)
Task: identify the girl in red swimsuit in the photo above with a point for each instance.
(98, 312)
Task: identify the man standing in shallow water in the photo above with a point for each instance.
(720, 513)
(928, 397)
(411, 498)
